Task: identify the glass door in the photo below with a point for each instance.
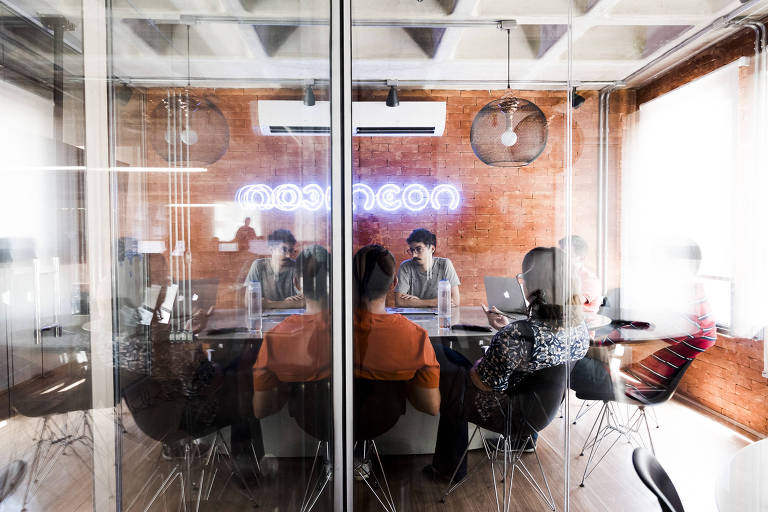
(461, 193)
(45, 344)
(223, 257)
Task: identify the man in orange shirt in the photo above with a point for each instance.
(389, 346)
(298, 349)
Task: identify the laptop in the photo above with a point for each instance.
(505, 294)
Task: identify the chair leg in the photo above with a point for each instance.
(548, 498)
(383, 494)
(315, 486)
(452, 486)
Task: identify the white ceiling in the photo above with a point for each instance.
(274, 40)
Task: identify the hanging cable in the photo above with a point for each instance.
(508, 57)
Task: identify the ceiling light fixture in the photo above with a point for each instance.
(510, 131)
(309, 94)
(392, 99)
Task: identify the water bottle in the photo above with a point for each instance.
(444, 304)
(253, 307)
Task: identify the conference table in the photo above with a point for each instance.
(741, 486)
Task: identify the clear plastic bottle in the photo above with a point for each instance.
(444, 304)
(253, 307)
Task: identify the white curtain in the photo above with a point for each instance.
(693, 170)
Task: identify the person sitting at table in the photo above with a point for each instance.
(591, 291)
(298, 349)
(276, 273)
(418, 276)
(478, 393)
(389, 346)
(654, 372)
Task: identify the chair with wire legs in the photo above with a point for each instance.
(622, 414)
(378, 406)
(531, 406)
(64, 410)
(310, 405)
(162, 412)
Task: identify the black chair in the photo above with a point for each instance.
(378, 406)
(531, 407)
(64, 409)
(178, 414)
(613, 391)
(309, 403)
(656, 479)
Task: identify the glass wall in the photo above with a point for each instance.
(473, 264)
(222, 263)
(45, 366)
(461, 172)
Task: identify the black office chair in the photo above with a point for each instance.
(309, 403)
(179, 414)
(610, 420)
(64, 409)
(378, 406)
(531, 407)
(656, 479)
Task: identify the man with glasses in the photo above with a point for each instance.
(418, 276)
(276, 273)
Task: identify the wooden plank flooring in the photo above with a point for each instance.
(692, 446)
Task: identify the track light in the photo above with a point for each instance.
(309, 94)
(577, 99)
(392, 99)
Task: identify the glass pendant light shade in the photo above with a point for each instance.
(188, 129)
(509, 132)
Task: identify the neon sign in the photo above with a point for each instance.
(388, 198)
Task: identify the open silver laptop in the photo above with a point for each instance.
(505, 293)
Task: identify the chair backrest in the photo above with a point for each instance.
(656, 479)
(378, 405)
(536, 399)
(157, 408)
(310, 405)
(658, 394)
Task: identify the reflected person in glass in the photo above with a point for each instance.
(298, 348)
(591, 291)
(478, 392)
(418, 276)
(276, 273)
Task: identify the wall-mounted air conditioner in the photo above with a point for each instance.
(369, 118)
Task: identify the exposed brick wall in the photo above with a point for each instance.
(504, 212)
(727, 378)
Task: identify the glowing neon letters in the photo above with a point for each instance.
(389, 197)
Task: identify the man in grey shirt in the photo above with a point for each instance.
(417, 277)
(276, 273)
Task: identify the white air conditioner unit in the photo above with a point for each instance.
(369, 118)
(279, 117)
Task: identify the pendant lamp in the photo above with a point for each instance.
(510, 131)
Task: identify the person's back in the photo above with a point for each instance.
(295, 350)
(391, 347)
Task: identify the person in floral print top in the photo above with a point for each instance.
(478, 393)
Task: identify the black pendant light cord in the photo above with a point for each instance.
(508, 57)
(189, 69)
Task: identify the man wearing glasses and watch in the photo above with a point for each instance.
(418, 276)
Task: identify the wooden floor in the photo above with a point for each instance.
(691, 445)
